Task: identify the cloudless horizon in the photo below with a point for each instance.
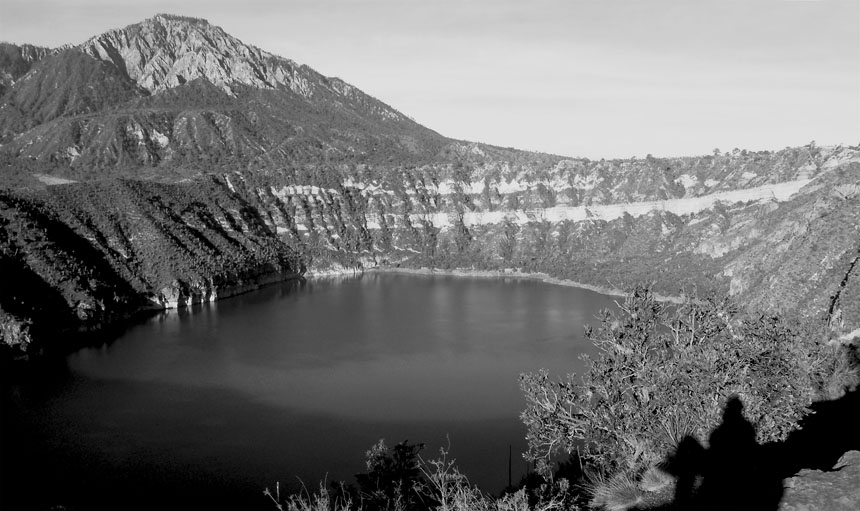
(599, 79)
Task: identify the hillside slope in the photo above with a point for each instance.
(16, 60)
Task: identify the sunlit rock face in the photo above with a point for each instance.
(167, 51)
(180, 91)
(834, 490)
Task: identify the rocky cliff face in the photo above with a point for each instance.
(62, 85)
(166, 51)
(775, 245)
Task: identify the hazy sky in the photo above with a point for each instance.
(595, 78)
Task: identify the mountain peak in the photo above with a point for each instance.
(169, 50)
(175, 17)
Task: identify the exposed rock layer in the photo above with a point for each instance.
(89, 251)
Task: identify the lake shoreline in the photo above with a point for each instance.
(542, 277)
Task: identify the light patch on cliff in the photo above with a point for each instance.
(690, 205)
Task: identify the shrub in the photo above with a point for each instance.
(663, 372)
(393, 479)
(399, 479)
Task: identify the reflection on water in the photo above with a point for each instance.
(300, 379)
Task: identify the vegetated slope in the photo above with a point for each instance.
(83, 254)
(808, 249)
(16, 60)
(60, 85)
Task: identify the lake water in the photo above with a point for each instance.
(205, 407)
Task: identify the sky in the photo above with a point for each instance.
(587, 78)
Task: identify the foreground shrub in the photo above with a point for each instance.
(399, 479)
(665, 372)
(393, 479)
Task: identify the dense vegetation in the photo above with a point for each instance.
(665, 372)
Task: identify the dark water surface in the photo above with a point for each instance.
(207, 406)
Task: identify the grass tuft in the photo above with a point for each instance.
(619, 492)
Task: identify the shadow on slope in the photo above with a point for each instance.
(735, 472)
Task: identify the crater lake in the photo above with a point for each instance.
(293, 383)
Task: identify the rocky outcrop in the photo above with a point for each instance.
(14, 331)
(167, 51)
(816, 490)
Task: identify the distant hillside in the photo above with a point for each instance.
(16, 60)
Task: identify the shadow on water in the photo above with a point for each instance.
(735, 472)
(64, 336)
(106, 456)
(68, 442)
(187, 432)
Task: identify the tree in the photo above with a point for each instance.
(394, 479)
(662, 373)
(508, 241)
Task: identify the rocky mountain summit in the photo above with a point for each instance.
(167, 51)
(170, 91)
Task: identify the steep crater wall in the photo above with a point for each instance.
(778, 231)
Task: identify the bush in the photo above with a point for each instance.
(393, 479)
(399, 479)
(664, 372)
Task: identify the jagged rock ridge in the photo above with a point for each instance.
(284, 112)
(339, 179)
(61, 85)
(167, 51)
(336, 217)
